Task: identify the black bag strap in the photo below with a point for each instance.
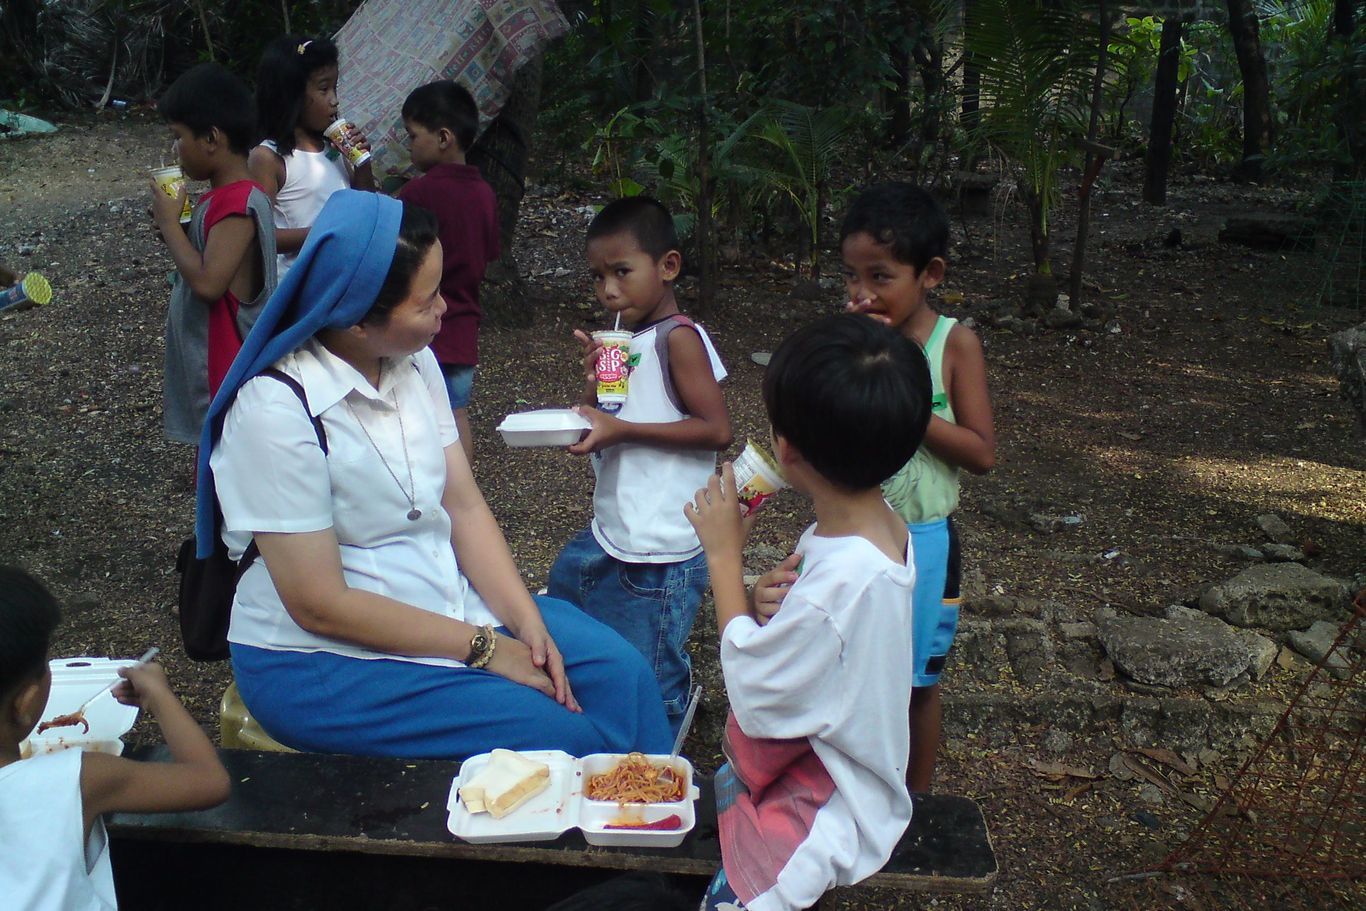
(252, 552)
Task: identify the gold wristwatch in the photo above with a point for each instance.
(482, 645)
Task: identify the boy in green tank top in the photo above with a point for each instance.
(895, 242)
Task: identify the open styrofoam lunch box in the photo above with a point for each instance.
(544, 427)
(563, 806)
(74, 680)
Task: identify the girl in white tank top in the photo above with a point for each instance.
(296, 100)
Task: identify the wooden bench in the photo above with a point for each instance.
(307, 830)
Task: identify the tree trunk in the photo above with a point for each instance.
(971, 111)
(706, 233)
(1159, 156)
(1094, 161)
(929, 58)
(642, 47)
(899, 98)
(501, 155)
(1038, 229)
(1257, 130)
(1348, 117)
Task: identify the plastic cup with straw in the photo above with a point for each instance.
(613, 366)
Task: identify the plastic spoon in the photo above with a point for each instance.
(683, 730)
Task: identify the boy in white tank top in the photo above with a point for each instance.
(53, 850)
(639, 566)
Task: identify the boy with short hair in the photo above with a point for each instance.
(53, 848)
(895, 243)
(225, 267)
(814, 793)
(442, 122)
(639, 567)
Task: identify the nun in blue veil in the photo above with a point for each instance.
(385, 615)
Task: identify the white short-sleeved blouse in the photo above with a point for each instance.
(271, 476)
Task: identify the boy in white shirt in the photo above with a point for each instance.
(813, 794)
(639, 567)
(53, 850)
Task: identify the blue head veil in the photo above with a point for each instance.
(332, 285)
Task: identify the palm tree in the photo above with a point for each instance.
(808, 141)
(1036, 60)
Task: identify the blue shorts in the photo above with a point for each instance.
(459, 383)
(936, 598)
(652, 606)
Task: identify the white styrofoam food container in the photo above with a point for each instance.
(562, 806)
(544, 427)
(74, 680)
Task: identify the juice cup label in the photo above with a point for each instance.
(613, 368)
(171, 180)
(757, 477)
(336, 134)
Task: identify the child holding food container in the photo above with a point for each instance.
(639, 566)
(813, 793)
(225, 256)
(54, 852)
(309, 151)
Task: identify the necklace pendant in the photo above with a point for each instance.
(414, 514)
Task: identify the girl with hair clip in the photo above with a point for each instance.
(386, 616)
(296, 100)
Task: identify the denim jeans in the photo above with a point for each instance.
(652, 606)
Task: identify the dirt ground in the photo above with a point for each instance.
(1205, 401)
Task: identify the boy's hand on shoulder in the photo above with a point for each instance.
(714, 514)
(166, 210)
(606, 431)
(771, 588)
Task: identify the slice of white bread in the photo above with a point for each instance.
(508, 781)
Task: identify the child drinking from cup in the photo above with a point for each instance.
(53, 849)
(299, 167)
(225, 257)
(813, 794)
(639, 566)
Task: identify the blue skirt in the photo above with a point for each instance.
(325, 703)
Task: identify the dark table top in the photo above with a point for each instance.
(315, 802)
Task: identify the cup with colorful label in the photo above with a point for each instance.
(613, 368)
(757, 477)
(172, 180)
(31, 290)
(339, 134)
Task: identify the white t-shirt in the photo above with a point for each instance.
(271, 476)
(640, 491)
(818, 730)
(46, 862)
(310, 180)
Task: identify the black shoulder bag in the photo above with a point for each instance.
(207, 586)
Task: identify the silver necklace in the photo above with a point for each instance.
(411, 491)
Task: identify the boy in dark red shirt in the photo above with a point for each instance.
(225, 256)
(442, 121)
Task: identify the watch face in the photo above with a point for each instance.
(479, 642)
